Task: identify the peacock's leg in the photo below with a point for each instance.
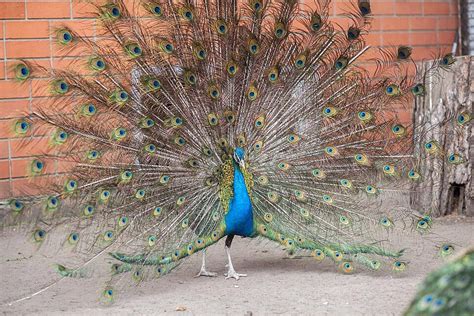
(203, 271)
(231, 272)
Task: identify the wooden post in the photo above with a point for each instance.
(449, 189)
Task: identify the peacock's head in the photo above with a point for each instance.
(239, 155)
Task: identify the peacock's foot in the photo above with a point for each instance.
(232, 274)
(205, 273)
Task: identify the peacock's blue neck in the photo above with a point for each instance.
(239, 218)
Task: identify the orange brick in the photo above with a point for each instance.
(423, 38)
(395, 39)
(10, 109)
(408, 8)
(435, 8)
(45, 10)
(382, 8)
(26, 29)
(3, 149)
(2, 70)
(4, 169)
(12, 10)
(395, 24)
(423, 23)
(446, 37)
(13, 89)
(447, 23)
(374, 38)
(5, 190)
(28, 49)
(2, 54)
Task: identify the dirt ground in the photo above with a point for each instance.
(275, 284)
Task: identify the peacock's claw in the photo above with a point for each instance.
(205, 273)
(232, 274)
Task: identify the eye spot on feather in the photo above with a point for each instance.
(319, 174)
(447, 60)
(22, 127)
(418, 89)
(404, 52)
(37, 167)
(70, 186)
(329, 111)
(108, 235)
(39, 235)
(365, 116)
(156, 9)
(52, 203)
(22, 71)
(258, 146)
(180, 201)
(347, 267)
(393, 90)
(362, 159)
(64, 36)
(432, 147)
(253, 47)
(123, 221)
(150, 148)
(388, 170)
(398, 130)
(341, 63)
(133, 50)
(327, 199)
(318, 255)
(344, 220)
(73, 238)
(268, 217)
(280, 31)
(455, 159)
(190, 78)
(386, 222)
(88, 109)
(151, 240)
(463, 118)
(353, 33)
(316, 22)
(16, 206)
(59, 87)
(399, 266)
(260, 122)
(263, 180)
(283, 166)
(345, 183)
(414, 175)
(262, 229)
(446, 250)
(371, 190)
(293, 138)
(273, 197)
(88, 210)
(331, 151)
(140, 194)
(180, 141)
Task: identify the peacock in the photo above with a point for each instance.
(448, 290)
(188, 121)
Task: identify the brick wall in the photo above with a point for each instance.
(26, 29)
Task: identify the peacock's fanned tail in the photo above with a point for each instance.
(144, 127)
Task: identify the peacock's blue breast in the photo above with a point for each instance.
(239, 218)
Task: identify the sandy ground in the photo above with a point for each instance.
(275, 285)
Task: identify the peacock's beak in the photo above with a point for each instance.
(242, 164)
